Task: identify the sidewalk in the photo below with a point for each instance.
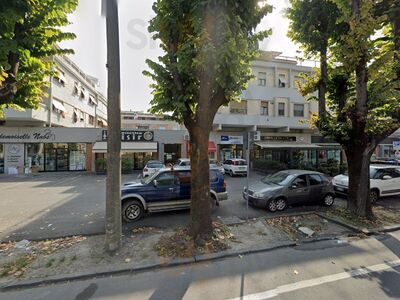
(27, 263)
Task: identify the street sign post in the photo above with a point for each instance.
(250, 138)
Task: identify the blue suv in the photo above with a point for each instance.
(166, 190)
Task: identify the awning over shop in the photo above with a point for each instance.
(58, 105)
(212, 147)
(101, 147)
(266, 145)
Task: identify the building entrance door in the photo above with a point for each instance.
(62, 159)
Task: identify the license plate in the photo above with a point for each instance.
(242, 168)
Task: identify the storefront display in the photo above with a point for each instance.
(34, 157)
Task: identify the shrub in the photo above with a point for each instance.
(268, 166)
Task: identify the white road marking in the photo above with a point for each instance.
(319, 281)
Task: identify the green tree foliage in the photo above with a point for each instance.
(361, 104)
(208, 47)
(29, 31)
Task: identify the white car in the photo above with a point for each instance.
(152, 167)
(235, 166)
(182, 164)
(385, 181)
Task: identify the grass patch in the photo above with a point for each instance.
(17, 267)
(50, 262)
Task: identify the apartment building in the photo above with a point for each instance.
(273, 106)
(72, 101)
(147, 121)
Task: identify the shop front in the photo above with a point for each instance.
(32, 150)
(137, 147)
(230, 146)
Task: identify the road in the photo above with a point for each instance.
(52, 205)
(361, 269)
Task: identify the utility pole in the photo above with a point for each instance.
(113, 184)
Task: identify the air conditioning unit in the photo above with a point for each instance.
(186, 137)
(257, 136)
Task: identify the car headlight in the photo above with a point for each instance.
(258, 195)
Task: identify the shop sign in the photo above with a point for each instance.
(14, 158)
(132, 136)
(231, 140)
(396, 145)
(279, 138)
(40, 135)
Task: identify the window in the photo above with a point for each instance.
(75, 116)
(91, 120)
(213, 176)
(184, 177)
(166, 179)
(83, 93)
(77, 88)
(238, 107)
(60, 77)
(82, 116)
(300, 181)
(92, 100)
(282, 80)
(298, 110)
(262, 78)
(264, 108)
(315, 179)
(281, 109)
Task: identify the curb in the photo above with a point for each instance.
(150, 267)
(348, 226)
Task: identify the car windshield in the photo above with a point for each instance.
(155, 166)
(280, 178)
(149, 179)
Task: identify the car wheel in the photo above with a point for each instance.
(272, 207)
(329, 200)
(373, 196)
(132, 211)
(280, 204)
(231, 173)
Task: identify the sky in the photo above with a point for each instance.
(136, 45)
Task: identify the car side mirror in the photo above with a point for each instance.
(155, 183)
(294, 186)
(386, 177)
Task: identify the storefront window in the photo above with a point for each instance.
(34, 157)
(50, 157)
(1, 159)
(231, 151)
(77, 157)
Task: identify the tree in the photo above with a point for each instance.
(29, 32)
(362, 104)
(208, 46)
(113, 184)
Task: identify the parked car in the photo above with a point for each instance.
(166, 190)
(276, 191)
(152, 167)
(384, 181)
(215, 164)
(182, 164)
(385, 161)
(235, 167)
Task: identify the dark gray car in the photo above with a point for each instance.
(275, 192)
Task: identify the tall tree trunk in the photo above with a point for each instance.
(113, 194)
(201, 222)
(358, 160)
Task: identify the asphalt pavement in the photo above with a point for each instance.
(51, 205)
(360, 269)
